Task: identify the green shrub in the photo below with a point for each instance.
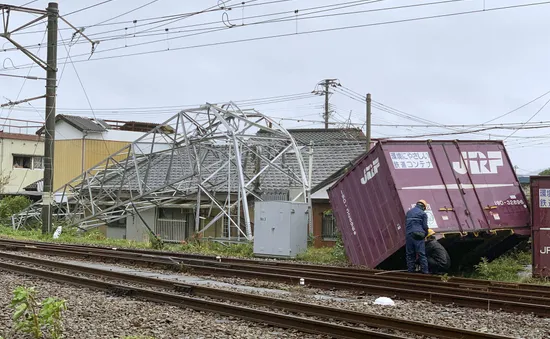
(156, 242)
(12, 205)
(504, 268)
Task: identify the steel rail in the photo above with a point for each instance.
(367, 319)
(496, 286)
(245, 313)
(467, 298)
(254, 272)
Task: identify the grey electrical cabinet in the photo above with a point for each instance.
(280, 228)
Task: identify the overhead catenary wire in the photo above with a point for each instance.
(125, 13)
(162, 17)
(24, 80)
(224, 27)
(332, 29)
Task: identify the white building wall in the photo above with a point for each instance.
(64, 131)
(19, 177)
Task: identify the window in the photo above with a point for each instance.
(37, 163)
(28, 161)
(329, 230)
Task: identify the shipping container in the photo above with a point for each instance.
(540, 219)
(475, 203)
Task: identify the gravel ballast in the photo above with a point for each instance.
(93, 314)
(515, 325)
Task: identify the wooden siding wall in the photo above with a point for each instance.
(319, 207)
(68, 157)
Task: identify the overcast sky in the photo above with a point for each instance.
(464, 69)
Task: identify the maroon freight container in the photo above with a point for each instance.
(540, 219)
(474, 199)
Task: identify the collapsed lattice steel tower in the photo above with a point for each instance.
(215, 156)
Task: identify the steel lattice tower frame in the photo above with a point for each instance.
(218, 143)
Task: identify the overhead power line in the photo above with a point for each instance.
(531, 118)
(87, 8)
(222, 25)
(333, 29)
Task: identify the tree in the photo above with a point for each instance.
(545, 172)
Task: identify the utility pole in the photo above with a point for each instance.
(49, 130)
(325, 85)
(326, 115)
(50, 66)
(368, 121)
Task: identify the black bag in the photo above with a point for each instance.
(418, 235)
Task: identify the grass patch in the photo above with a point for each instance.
(95, 237)
(325, 255)
(506, 268)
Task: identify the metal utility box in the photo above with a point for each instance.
(280, 228)
(474, 199)
(540, 202)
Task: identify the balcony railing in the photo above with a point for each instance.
(171, 230)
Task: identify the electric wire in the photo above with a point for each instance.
(88, 7)
(333, 29)
(125, 13)
(159, 18)
(24, 81)
(294, 17)
(518, 108)
(223, 27)
(531, 118)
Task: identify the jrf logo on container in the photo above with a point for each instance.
(348, 212)
(370, 171)
(545, 250)
(479, 163)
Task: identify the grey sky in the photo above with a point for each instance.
(453, 70)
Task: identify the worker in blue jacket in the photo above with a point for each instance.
(416, 231)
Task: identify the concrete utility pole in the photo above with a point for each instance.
(49, 130)
(368, 121)
(50, 66)
(326, 115)
(325, 85)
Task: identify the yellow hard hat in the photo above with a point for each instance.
(430, 232)
(423, 202)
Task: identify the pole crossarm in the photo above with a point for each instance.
(13, 103)
(22, 9)
(208, 156)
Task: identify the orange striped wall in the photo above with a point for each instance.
(68, 155)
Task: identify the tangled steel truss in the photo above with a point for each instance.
(217, 156)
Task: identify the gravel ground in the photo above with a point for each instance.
(95, 315)
(519, 326)
(263, 308)
(497, 322)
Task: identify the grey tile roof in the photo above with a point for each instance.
(319, 135)
(80, 123)
(327, 159)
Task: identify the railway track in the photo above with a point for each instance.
(513, 298)
(320, 318)
(348, 271)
